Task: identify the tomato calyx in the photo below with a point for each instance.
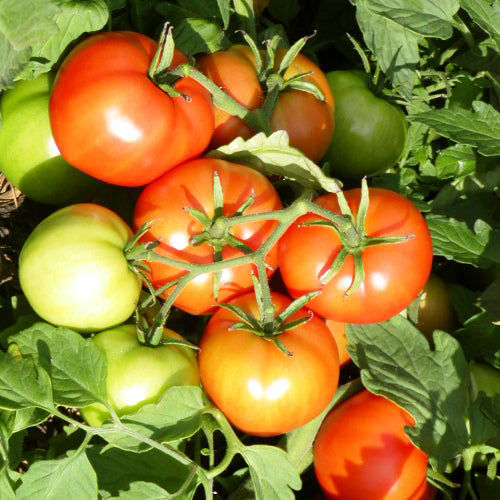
(354, 239)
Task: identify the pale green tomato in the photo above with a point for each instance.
(29, 157)
(138, 374)
(73, 270)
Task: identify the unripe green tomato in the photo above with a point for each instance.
(138, 374)
(29, 156)
(370, 132)
(435, 311)
(73, 270)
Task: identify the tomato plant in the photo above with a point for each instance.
(259, 388)
(307, 120)
(191, 184)
(73, 270)
(394, 273)
(338, 330)
(30, 159)
(139, 374)
(370, 132)
(361, 451)
(127, 141)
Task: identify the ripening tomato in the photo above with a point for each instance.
(308, 121)
(338, 330)
(137, 374)
(361, 451)
(73, 270)
(394, 273)
(110, 120)
(192, 185)
(260, 389)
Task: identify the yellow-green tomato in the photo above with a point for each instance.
(435, 311)
(370, 132)
(29, 157)
(139, 374)
(73, 270)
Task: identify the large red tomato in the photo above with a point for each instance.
(260, 389)
(111, 121)
(192, 185)
(361, 451)
(308, 121)
(394, 273)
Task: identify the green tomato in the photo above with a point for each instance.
(73, 271)
(370, 132)
(30, 159)
(139, 374)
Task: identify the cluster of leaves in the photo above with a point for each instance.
(437, 58)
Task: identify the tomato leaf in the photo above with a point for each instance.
(23, 27)
(395, 46)
(276, 486)
(117, 470)
(274, 156)
(6, 484)
(454, 240)
(176, 416)
(479, 128)
(433, 386)
(59, 479)
(485, 15)
(75, 365)
(433, 18)
(23, 383)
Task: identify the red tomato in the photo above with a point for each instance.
(111, 121)
(191, 185)
(361, 451)
(394, 273)
(260, 389)
(339, 334)
(308, 121)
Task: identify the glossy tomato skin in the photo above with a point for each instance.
(30, 159)
(370, 132)
(308, 121)
(138, 375)
(73, 271)
(111, 121)
(435, 311)
(191, 185)
(361, 451)
(394, 274)
(261, 390)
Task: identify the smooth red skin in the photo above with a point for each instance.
(238, 368)
(308, 121)
(102, 84)
(361, 451)
(191, 185)
(394, 274)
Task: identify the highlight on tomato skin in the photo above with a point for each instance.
(261, 390)
(361, 451)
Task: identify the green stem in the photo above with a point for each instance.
(464, 31)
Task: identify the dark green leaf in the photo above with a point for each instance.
(59, 479)
(454, 240)
(23, 384)
(76, 366)
(480, 128)
(432, 18)
(456, 161)
(433, 386)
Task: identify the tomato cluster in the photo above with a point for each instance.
(210, 234)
